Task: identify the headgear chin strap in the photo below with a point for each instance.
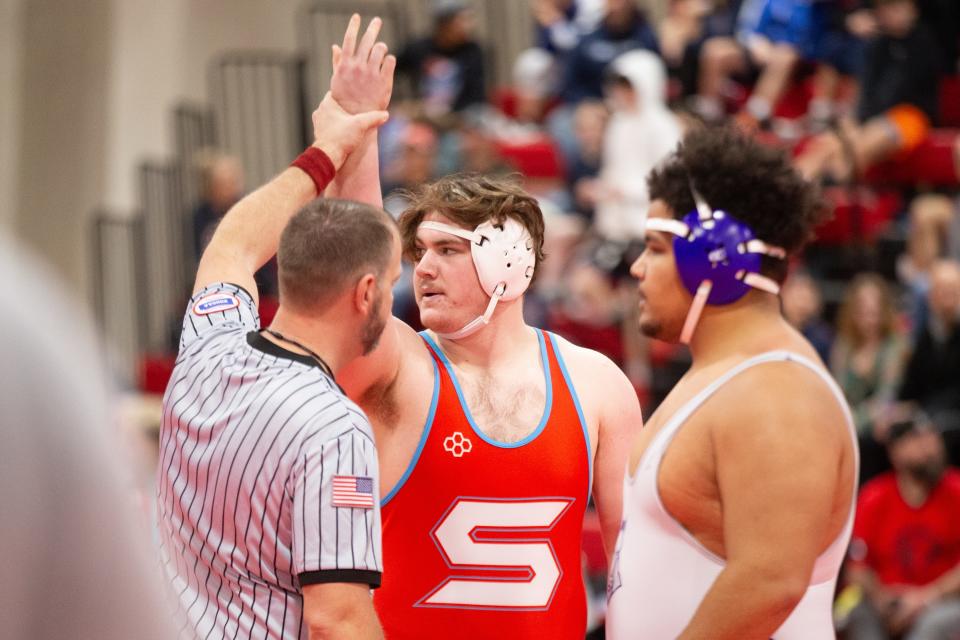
(718, 258)
(504, 259)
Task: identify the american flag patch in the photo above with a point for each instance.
(353, 491)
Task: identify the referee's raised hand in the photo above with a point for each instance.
(337, 133)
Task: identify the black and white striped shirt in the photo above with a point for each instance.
(253, 439)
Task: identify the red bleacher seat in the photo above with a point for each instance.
(154, 372)
(505, 99)
(793, 103)
(858, 220)
(537, 158)
(950, 102)
(932, 163)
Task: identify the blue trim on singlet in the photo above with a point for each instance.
(548, 405)
(423, 436)
(576, 403)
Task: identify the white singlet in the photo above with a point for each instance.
(661, 573)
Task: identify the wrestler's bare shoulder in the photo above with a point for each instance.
(780, 392)
(598, 381)
(774, 416)
(387, 382)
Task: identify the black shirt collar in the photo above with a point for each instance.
(258, 342)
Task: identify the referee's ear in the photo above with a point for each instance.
(365, 294)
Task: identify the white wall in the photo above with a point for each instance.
(64, 56)
(160, 55)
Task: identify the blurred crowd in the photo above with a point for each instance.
(865, 96)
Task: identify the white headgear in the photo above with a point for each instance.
(503, 257)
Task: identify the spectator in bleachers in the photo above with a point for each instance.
(563, 234)
(932, 378)
(839, 57)
(803, 308)
(221, 184)
(589, 310)
(685, 28)
(413, 164)
(867, 361)
(934, 233)
(589, 124)
(447, 67)
(771, 37)
(562, 23)
(477, 149)
(534, 83)
(905, 551)
(624, 27)
(221, 181)
(898, 98)
(520, 109)
(642, 131)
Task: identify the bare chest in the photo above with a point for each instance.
(506, 410)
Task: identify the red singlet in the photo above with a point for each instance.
(481, 539)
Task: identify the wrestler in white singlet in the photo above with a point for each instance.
(661, 573)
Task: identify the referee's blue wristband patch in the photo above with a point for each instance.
(215, 302)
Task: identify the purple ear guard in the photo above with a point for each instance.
(715, 249)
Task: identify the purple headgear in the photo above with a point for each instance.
(717, 256)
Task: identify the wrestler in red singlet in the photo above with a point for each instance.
(481, 539)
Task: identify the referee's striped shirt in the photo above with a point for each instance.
(253, 439)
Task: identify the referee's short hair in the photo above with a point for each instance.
(329, 244)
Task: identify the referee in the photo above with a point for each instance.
(268, 482)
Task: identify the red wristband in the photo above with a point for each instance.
(316, 164)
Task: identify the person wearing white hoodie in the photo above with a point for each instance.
(641, 132)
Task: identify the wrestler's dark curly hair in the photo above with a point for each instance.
(753, 182)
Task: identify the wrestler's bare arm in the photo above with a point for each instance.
(250, 231)
(363, 79)
(779, 459)
(610, 401)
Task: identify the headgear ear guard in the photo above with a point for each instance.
(717, 256)
(503, 257)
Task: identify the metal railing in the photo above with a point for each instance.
(119, 287)
(193, 131)
(167, 250)
(258, 104)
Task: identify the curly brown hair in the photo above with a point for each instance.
(754, 183)
(469, 199)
